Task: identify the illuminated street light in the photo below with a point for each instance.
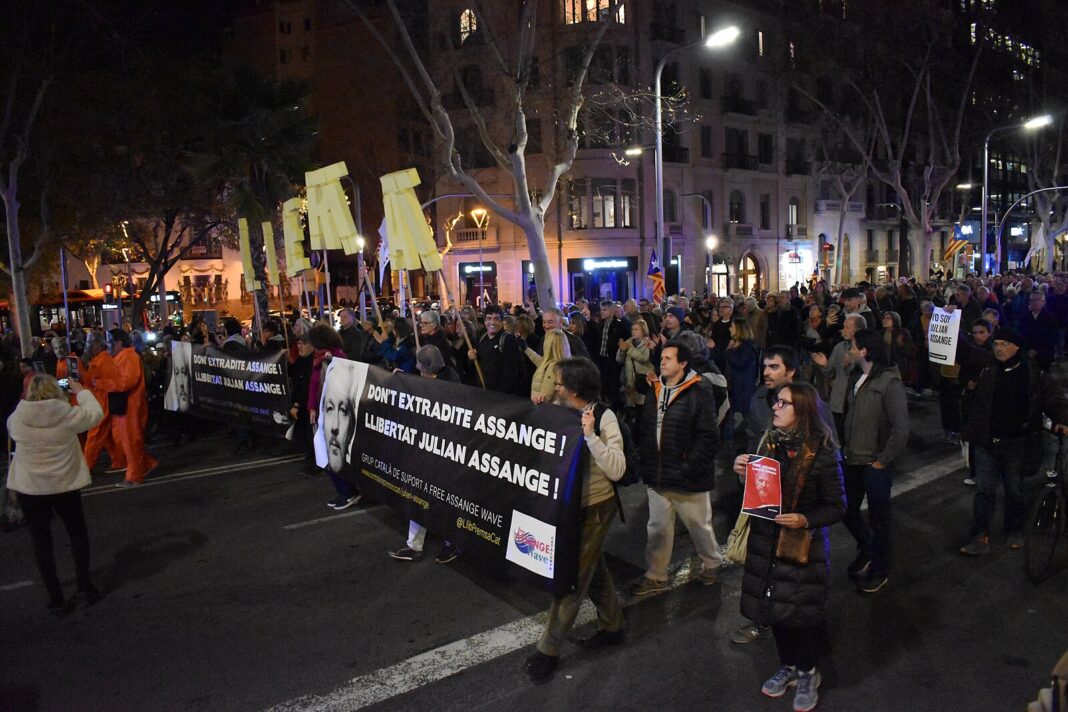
(634, 151)
(722, 38)
(711, 242)
(1038, 122)
(964, 186)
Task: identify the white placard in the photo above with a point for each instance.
(942, 336)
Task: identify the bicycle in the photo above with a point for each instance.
(1046, 524)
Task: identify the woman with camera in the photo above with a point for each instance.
(49, 472)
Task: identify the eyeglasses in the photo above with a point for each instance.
(782, 403)
(979, 332)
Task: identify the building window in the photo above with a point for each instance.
(737, 207)
(286, 28)
(533, 136)
(765, 149)
(765, 212)
(576, 11)
(604, 202)
(577, 210)
(760, 43)
(706, 142)
(623, 65)
(704, 81)
(305, 53)
(669, 206)
(468, 24)
(282, 56)
(307, 24)
(708, 219)
(628, 203)
(793, 212)
(871, 241)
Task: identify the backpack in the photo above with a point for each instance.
(632, 474)
(719, 387)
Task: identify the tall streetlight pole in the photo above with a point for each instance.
(1030, 125)
(716, 40)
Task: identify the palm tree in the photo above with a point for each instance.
(260, 147)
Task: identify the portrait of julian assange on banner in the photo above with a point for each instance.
(248, 390)
(494, 474)
(942, 336)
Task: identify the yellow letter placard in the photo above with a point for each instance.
(246, 256)
(296, 261)
(330, 223)
(272, 258)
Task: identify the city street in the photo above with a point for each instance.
(230, 586)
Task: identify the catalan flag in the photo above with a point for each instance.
(955, 245)
(657, 275)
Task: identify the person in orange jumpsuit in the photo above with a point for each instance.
(128, 431)
(98, 368)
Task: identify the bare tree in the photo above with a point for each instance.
(1051, 207)
(915, 96)
(847, 171)
(512, 58)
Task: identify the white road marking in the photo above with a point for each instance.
(13, 586)
(197, 474)
(453, 658)
(343, 515)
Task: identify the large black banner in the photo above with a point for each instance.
(245, 390)
(495, 474)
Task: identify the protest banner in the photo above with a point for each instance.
(763, 487)
(494, 474)
(245, 390)
(942, 336)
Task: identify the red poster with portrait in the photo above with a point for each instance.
(763, 487)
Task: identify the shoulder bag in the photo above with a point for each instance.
(794, 544)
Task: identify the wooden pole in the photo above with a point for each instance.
(462, 328)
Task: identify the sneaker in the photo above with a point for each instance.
(749, 633)
(808, 690)
(127, 484)
(604, 639)
(646, 585)
(970, 481)
(860, 567)
(541, 666)
(1015, 541)
(708, 576)
(776, 685)
(872, 583)
(449, 552)
(978, 546)
(343, 502)
(406, 554)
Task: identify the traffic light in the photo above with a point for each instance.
(109, 295)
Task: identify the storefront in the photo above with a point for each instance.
(796, 264)
(477, 279)
(597, 278)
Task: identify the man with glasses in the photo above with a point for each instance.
(431, 333)
(499, 356)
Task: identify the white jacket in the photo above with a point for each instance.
(48, 456)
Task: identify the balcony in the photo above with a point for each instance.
(739, 161)
(454, 101)
(798, 168)
(658, 31)
(473, 236)
(676, 154)
(738, 105)
(796, 232)
(739, 230)
(872, 257)
(835, 206)
(892, 256)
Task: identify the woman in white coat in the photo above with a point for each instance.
(49, 472)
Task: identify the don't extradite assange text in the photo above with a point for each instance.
(493, 473)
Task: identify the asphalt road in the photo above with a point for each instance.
(231, 586)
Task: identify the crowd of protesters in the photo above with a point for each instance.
(816, 377)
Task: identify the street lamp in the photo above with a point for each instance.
(481, 218)
(1031, 124)
(717, 40)
(360, 276)
(710, 244)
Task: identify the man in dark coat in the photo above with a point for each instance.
(353, 338)
(1039, 327)
(784, 323)
(678, 443)
(499, 356)
(610, 331)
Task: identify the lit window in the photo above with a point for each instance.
(576, 11)
(468, 24)
(760, 43)
(973, 32)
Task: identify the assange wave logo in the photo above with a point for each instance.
(525, 541)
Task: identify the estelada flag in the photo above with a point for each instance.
(657, 276)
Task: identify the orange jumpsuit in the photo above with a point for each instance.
(128, 431)
(101, 369)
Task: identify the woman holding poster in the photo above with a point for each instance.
(787, 564)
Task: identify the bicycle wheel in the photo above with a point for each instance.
(1045, 528)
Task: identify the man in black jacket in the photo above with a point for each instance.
(1010, 400)
(678, 442)
(499, 356)
(610, 331)
(353, 337)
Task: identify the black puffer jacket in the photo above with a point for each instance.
(781, 593)
(685, 459)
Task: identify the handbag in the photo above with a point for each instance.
(118, 402)
(793, 544)
(738, 541)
